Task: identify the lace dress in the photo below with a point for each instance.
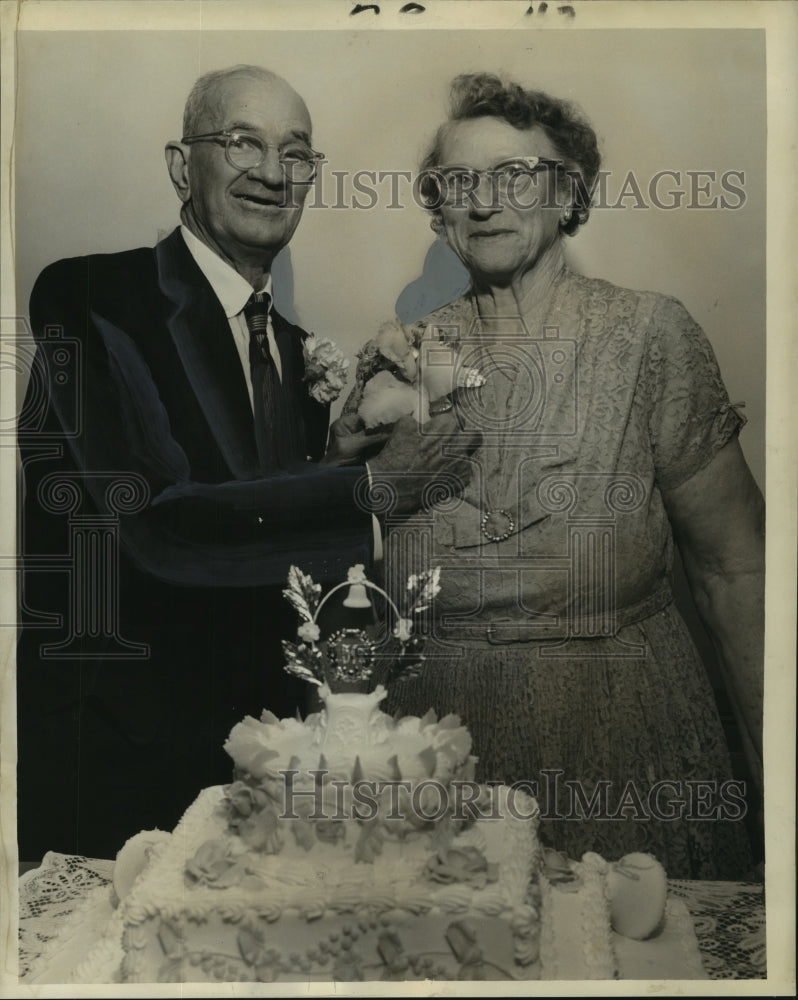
(555, 636)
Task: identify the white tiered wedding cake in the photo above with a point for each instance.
(356, 846)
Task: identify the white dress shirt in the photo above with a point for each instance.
(233, 292)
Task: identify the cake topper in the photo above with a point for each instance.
(354, 656)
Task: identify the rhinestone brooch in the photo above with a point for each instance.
(492, 526)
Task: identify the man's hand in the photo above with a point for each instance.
(414, 459)
(351, 444)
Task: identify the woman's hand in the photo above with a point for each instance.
(416, 459)
(410, 458)
(351, 444)
(718, 521)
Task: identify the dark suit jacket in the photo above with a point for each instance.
(137, 432)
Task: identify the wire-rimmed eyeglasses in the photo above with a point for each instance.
(452, 186)
(246, 151)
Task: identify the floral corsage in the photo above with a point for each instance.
(405, 371)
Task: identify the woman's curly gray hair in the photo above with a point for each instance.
(478, 95)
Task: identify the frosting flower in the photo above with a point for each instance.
(461, 864)
(242, 800)
(261, 831)
(265, 961)
(248, 746)
(213, 865)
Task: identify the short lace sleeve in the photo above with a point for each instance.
(690, 416)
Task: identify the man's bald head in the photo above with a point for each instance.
(246, 215)
(204, 104)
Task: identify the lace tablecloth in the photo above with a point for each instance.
(70, 892)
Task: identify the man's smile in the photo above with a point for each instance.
(488, 233)
(262, 200)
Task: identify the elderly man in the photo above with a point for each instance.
(186, 432)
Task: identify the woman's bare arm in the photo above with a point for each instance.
(718, 521)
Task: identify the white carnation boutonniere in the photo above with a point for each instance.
(326, 368)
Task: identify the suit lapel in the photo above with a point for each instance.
(201, 335)
(309, 418)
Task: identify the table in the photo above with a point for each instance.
(729, 917)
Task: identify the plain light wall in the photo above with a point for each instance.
(94, 110)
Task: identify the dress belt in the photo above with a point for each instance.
(506, 631)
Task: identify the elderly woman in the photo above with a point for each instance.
(607, 436)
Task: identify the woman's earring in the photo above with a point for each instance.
(436, 225)
(566, 217)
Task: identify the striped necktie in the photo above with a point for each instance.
(266, 390)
